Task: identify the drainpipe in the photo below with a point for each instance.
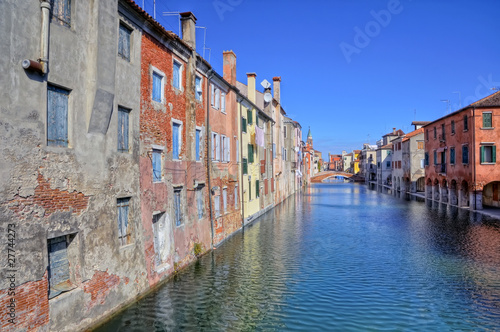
(241, 184)
(474, 151)
(41, 66)
(209, 76)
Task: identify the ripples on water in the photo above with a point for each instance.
(339, 257)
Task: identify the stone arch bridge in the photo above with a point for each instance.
(320, 177)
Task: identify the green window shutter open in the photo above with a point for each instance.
(245, 166)
(257, 188)
(482, 154)
(249, 116)
(244, 125)
(250, 153)
(494, 154)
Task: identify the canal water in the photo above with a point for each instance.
(338, 257)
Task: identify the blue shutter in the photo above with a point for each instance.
(156, 166)
(197, 145)
(157, 87)
(175, 141)
(58, 264)
(123, 129)
(124, 42)
(57, 116)
(177, 69)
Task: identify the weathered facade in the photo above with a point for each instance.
(460, 155)
(413, 161)
(69, 162)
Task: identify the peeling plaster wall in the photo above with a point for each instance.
(49, 191)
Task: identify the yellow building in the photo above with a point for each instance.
(356, 154)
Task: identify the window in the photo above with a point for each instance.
(274, 150)
(257, 189)
(245, 166)
(177, 206)
(452, 127)
(157, 93)
(236, 197)
(223, 102)
(243, 125)
(249, 117)
(59, 272)
(249, 189)
(250, 153)
(157, 169)
(124, 227)
(212, 95)
(225, 148)
(176, 140)
(215, 146)
(427, 134)
(420, 145)
(199, 202)
(124, 42)
(435, 158)
(197, 147)
(466, 124)
(224, 199)
(177, 75)
(123, 130)
(61, 12)
(378, 164)
(57, 116)
(217, 205)
(435, 132)
(388, 164)
(465, 154)
(487, 120)
(284, 131)
(488, 153)
(443, 134)
(426, 159)
(284, 154)
(198, 89)
(217, 98)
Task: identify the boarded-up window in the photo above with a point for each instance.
(57, 116)
(124, 227)
(124, 42)
(176, 140)
(156, 160)
(61, 12)
(217, 205)
(158, 237)
(224, 199)
(157, 87)
(58, 265)
(199, 202)
(177, 75)
(177, 206)
(123, 129)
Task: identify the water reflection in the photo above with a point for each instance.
(338, 257)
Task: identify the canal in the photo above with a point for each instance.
(339, 257)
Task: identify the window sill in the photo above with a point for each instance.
(128, 246)
(487, 128)
(156, 182)
(466, 130)
(483, 163)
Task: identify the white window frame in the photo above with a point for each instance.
(217, 98)
(181, 124)
(162, 87)
(196, 89)
(201, 144)
(223, 102)
(212, 95)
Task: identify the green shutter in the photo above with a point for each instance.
(249, 116)
(494, 154)
(245, 166)
(482, 154)
(257, 188)
(250, 153)
(249, 190)
(244, 125)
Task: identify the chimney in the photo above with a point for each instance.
(229, 67)
(251, 86)
(189, 29)
(394, 131)
(276, 88)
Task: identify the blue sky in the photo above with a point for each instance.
(354, 69)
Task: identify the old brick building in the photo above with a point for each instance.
(460, 155)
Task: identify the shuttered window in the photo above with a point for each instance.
(250, 153)
(176, 140)
(177, 75)
(58, 265)
(157, 87)
(57, 116)
(245, 166)
(61, 12)
(452, 156)
(198, 136)
(249, 117)
(124, 228)
(123, 129)
(124, 42)
(257, 188)
(156, 160)
(249, 190)
(487, 120)
(465, 154)
(488, 153)
(244, 125)
(223, 102)
(177, 207)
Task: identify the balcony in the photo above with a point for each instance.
(440, 168)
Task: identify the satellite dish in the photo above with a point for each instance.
(268, 97)
(265, 84)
